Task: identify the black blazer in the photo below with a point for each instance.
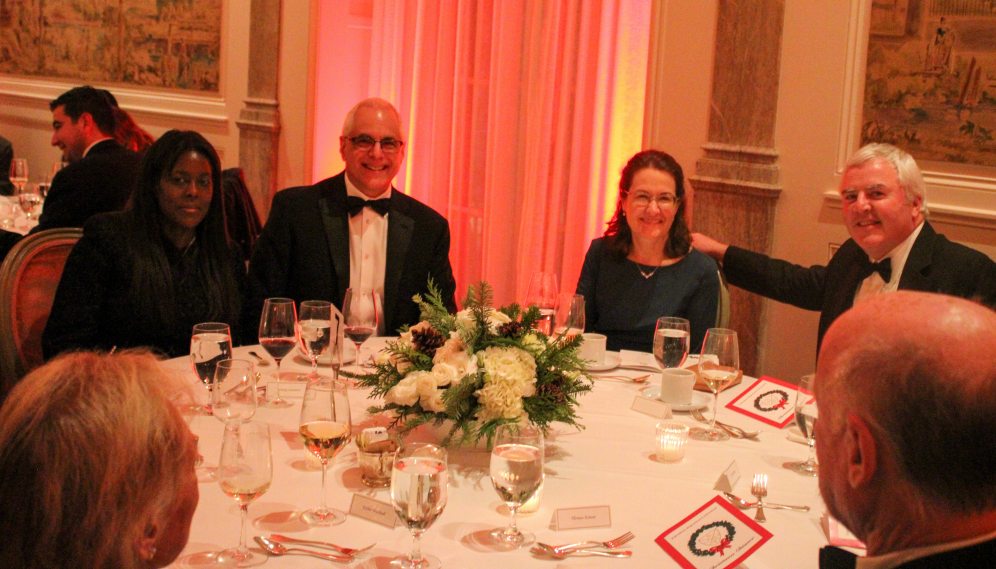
(934, 265)
(99, 182)
(303, 253)
(974, 556)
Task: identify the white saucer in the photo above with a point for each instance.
(612, 361)
(699, 399)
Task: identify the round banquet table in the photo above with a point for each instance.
(610, 462)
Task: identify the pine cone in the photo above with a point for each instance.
(554, 392)
(427, 341)
(510, 329)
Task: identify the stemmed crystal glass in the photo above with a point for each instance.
(233, 397)
(361, 311)
(19, 172)
(244, 472)
(806, 415)
(718, 366)
(210, 343)
(418, 493)
(569, 317)
(29, 199)
(542, 293)
(517, 474)
(325, 428)
(671, 341)
(277, 335)
(315, 331)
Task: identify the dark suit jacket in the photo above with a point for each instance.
(934, 265)
(99, 182)
(973, 556)
(6, 157)
(303, 253)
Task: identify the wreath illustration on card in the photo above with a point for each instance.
(771, 400)
(713, 538)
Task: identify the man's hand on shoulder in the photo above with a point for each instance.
(709, 246)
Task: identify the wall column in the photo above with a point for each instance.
(259, 120)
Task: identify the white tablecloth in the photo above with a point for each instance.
(10, 209)
(610, 462)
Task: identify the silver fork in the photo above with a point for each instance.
(343, 550)
(610, 544)
(759, 488)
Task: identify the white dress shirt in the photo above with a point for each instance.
(874, 284)
(368, 247)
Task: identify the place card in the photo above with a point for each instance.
(373, 511)
(579, 518)
(716, 536)
(653, 407)
(728, 479)
(286, 388)
(768, 400)
(629, 359)
(838, 534)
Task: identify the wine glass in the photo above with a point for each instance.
(569, 318)
(277, 335)
(244, 472)
(542, 293)
(418, 493)
(314, 329)
(233, 397)
(361, 310)
(517, 474)
(671, 341)
(718, 366)
(325, 429)
(210, 343)
(806, 415)
(19, 173)
(29, 199)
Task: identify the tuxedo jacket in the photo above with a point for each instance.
(934, 265)
(974, 556)
(99, 182)
(6, 157)
(303, 253)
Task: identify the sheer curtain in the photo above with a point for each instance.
(520, 114)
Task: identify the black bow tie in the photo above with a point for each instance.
(356, 205)
(883, 268)
(836, 558)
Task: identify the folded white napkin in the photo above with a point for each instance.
(638, 360)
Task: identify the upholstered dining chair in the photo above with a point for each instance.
(723, 308)
(28, 279)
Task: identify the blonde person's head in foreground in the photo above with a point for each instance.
(96, 465)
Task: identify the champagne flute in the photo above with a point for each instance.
(361, 310)
(244, 473)
(277, 335)
(210, 343)
(19, 173)
(806, 415)
(233, 397)
(542, 293)
(418, 493)
(325, 428)
(314, 329)
(718, 367)
(517, 474)
(671, 341)
(569, 318)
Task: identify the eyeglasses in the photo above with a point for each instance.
(182, 181)
(366, 143)
(642, 200)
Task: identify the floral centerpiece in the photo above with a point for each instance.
(479, 369)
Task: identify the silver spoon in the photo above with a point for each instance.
(276, 549)
(579, 553)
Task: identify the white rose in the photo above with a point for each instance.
(404, 393)
(433, 401)
(424, 382)
(444, 374)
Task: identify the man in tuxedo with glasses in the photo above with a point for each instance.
(906, 438)
(354, 230)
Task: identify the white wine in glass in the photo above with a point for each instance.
(233, 396)
(418, 493)
(718, 367)
(315, 332)
(210, 343)
(325, 427)
(278, 336)
(806, 415)
(671, 341)
(569, 317)
(244, 473)
(517, 474)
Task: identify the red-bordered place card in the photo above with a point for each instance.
(715, 536)
(768, 400)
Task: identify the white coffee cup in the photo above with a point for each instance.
(593, 348)
(677, 385)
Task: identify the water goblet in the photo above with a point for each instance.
(244, 473)
(210, 343)
(277, 335)
(569, 317)
(418, 493)
(542, 293)
(233, 395)
(718, 366)
(29, 199)
(806, 414)
(517, 474)
(325, 427)
(671, 342)
(315, 332)
(361, 311)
